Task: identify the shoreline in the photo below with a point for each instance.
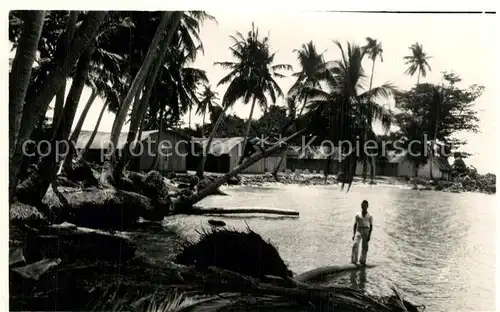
(460, 185)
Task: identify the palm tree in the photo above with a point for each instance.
(344, 106)
(133, 92)
(208, 99)
(312, 67)
(37, 104)
(141, 101)
(99, 82)
(19, 76)
(252, 75)
(417, 61)
(138, 81)
(102, 69)
(291, 105)
(94, 133)
(374, 50)
(19, 79)
(64, 42)
(186, 38)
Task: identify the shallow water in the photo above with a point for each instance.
(437, 248)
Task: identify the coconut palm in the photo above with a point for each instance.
(252, 75)
(38, 102)
(417, 61)
(208, 100)
(19, 78)
(187, 39)
(22, 64)
(102, 69)
(373, 49)
(344, 106)
(63, 46)
(177, 86)
(312, 66)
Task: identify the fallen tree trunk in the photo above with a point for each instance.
(250, 161)
(217, 210)
(321, 272)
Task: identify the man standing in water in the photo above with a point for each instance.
(362, 231)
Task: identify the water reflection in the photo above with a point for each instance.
(358, 279)
(436, 248)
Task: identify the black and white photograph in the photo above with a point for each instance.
(251, 160)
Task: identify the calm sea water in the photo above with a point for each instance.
(437, 248)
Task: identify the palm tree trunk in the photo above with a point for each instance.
(203, 125)
(373, 71)
(248, 125)
(277, 169)
(372, 169)
(431, 157)
(136, 86)
(61, 94)
(189, 116)
(74, 95)
(72, 101)
(47, 169)
(365, 160)
(132, 132)
(131, 163)
(19, 78)
(137, 82)
(94, 133)
(160, 130)
(81, 120)
(140, 106)
(287, 126)
(418, 76)
(235, 171)
(206, 149)
(40, 102)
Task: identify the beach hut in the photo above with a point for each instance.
(172, 144)
(225, 153)
(398, 165)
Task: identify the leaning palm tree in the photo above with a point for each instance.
(252, 76)
(19, 79)
(38, 102)
(417, 61)
(19, 76)
(109, 168)
(208, 100)
(374, 50)
(344, 106)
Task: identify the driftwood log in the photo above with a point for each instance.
(221, 210)
(322, 272)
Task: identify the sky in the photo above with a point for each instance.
(461, 43)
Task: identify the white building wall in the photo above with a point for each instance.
(406, 169)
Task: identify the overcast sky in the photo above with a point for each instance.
(460, 43)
